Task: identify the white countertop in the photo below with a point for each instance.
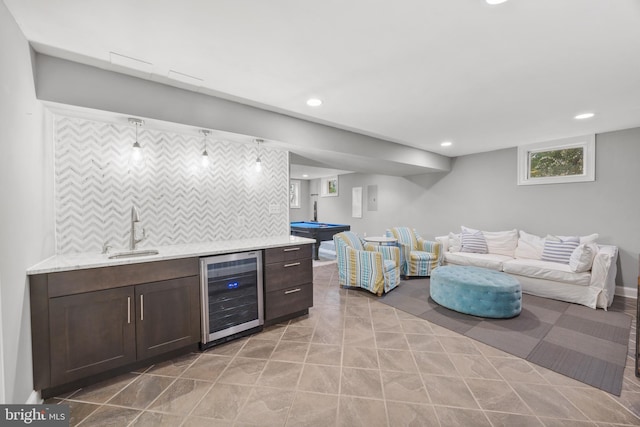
(81, 261)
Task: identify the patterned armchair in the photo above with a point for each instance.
(374, 268)
(418, 256)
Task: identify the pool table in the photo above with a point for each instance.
(320, 231)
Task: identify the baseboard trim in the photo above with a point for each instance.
(34, 398)
(627, 292)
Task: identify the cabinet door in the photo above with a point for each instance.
(91, 333)
(168, 315)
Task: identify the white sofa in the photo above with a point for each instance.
(521, 255)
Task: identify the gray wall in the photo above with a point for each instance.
(26, 192)
(481, 192)
(305, 212)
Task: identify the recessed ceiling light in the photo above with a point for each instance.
(305, 176)
(584, 116)
(495, 1)
(314, 102)
(446, 144)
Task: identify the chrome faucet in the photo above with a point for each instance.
(135, 217)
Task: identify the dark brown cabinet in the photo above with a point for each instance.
(91, 333)
(288, 282)
(168, 316)
(89, 322)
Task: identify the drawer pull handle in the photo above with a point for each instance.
(128, 310)
(293, 264)
(141, 307)
(292, 291)
(291, 249)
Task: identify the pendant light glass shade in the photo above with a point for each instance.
(258, 161)
(204, 160)
(137, 156)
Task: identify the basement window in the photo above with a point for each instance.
(555, 162)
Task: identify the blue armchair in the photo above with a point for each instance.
(374, 268)
(419, 257)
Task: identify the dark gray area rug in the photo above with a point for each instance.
(579, 342)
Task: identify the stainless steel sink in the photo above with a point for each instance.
(138, 252)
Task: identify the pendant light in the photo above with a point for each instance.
(258, 161)
(205, 161)
(137, 156)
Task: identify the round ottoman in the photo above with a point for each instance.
(476, 291)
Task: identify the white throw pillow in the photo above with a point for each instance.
(529, 246)
(591, 238)
(501, 242)
(582, 257)
(454, 242)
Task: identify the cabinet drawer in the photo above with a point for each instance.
(95, 279)
(286, 274)
(287, 301)
(287, 253)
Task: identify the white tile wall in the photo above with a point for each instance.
(178, 200)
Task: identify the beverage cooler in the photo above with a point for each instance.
(232, 298)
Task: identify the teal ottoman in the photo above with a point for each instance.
(476, 291)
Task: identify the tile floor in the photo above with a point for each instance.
(353, 361)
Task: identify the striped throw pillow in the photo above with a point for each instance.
(559, 250)
(473, 242)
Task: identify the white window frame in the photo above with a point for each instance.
(588, 142)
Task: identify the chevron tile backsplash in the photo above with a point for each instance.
(178, 200)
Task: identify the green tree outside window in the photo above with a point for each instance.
(565, 162)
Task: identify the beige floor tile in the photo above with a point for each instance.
(266, 407)
(419, 342)
(290, 351)
(141, 392)
(298, 333)
(181, 396)
(557, 422)
(450, 391)
(410, 414)
(242, 370)
(517, 370)
(361, 311)
(404, 387)
(208, 367)
(397, 360)
(357, 412)
(458, 344)
(434, 363)
(230, 348)
(457, 417)
(497, 396)
(78, 411)
(328, 336)
(205, 422)
(543, 399)
(312, 409)
(104, 390)
(324, 354)
(258, 349)
(414, 326)
(472, 366)
(174, 367)
(273, 333)
(320, 379)
(391, 341)
(357, 338)
(222, 401)
(111, 416)
(283, 375)
(598, 406)
(360, 357)
(361, 383)
(157, 419)
(502, 419)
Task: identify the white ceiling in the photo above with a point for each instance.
(416, 72)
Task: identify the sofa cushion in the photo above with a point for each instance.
(546, 270)
(582, 257)
(454, 242)
(491, 261)
(559, 250)
(473, 241)
(529, 246)
(501, 242)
